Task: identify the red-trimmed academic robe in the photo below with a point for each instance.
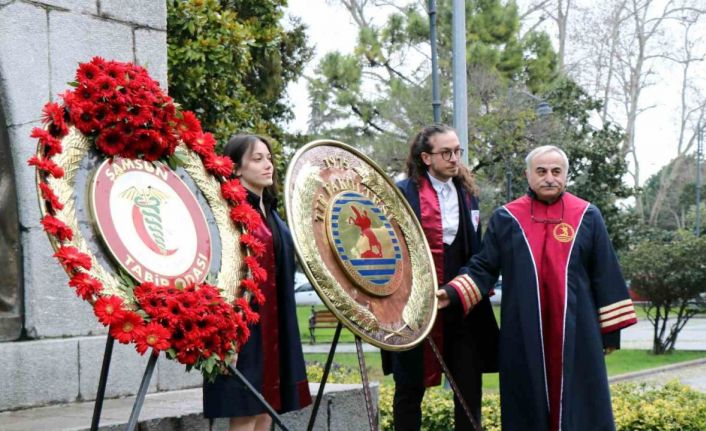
(564, 300)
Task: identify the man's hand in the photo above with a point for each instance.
(443, 299)
(607, 350)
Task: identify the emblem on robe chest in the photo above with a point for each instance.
(563, 232)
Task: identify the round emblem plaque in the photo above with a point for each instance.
(365, 243)
(151, 222)
(361, 245)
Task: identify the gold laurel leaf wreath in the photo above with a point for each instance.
(76, 145)
(231, 271)
(56, 172)
(413, 313)
(338, 297)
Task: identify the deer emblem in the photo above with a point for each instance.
(363, 222)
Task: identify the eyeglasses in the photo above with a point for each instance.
(547, 220)
(446, 154)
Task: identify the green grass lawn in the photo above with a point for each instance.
(323, 336)
(620, 362)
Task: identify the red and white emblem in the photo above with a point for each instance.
(151, 222)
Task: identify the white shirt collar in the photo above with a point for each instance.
(439, 185)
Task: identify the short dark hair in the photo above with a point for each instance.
(421, 143)
(241, 144)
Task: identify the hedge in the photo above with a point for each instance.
(636, 407)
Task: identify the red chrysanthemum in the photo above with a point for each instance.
(85, 285)
(233, 191)
(154, 336)
(173, 311)
(221, 166)
(204, 144)
(258, 272)
(248, 284)
(82, 114)
(57, 228)
(115, 70)
(46, 165)
(72, 258)
(111, 142)
(188, 357)
(246, 216)
(255, 245)
(109, 309)
(128, 328)
(53, 116)
(87, 72)
(49, 196)
(105, 86)
(51, 144)
(188, 126)
(249, 315)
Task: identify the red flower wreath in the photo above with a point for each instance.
(123, 112)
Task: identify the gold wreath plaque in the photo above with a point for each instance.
(361, 245)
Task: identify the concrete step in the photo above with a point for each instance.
(340, 409)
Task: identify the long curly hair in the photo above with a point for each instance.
(421, 143)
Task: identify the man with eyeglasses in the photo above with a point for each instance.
(443, 195)
(564, 302)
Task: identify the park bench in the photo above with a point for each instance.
(320, 319)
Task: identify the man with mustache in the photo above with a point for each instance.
(564, 302)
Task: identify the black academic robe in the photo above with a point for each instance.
(564, 299)
(469, 342)
(275, 367)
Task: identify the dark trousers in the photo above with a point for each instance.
(462, 360)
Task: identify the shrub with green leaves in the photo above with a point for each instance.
(636, 407)
(337, 374)
(231, 61)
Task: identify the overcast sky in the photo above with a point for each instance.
(331, 29)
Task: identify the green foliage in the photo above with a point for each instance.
(636, 407)
(596, 167)
(672, 276)
(378, 96)
(337, 374)
(678, 210)
(672, 407)
(438, 409)
(230, 62)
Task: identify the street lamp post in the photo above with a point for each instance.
(435, 93)
(699, 156)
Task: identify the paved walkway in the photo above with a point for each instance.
(692, 337)
(639, 336)
(692, 373)
(340, 348)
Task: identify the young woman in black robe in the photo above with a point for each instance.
(272, 358)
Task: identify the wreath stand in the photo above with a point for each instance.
(370, 409)
(372, 414)
(144, 385)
